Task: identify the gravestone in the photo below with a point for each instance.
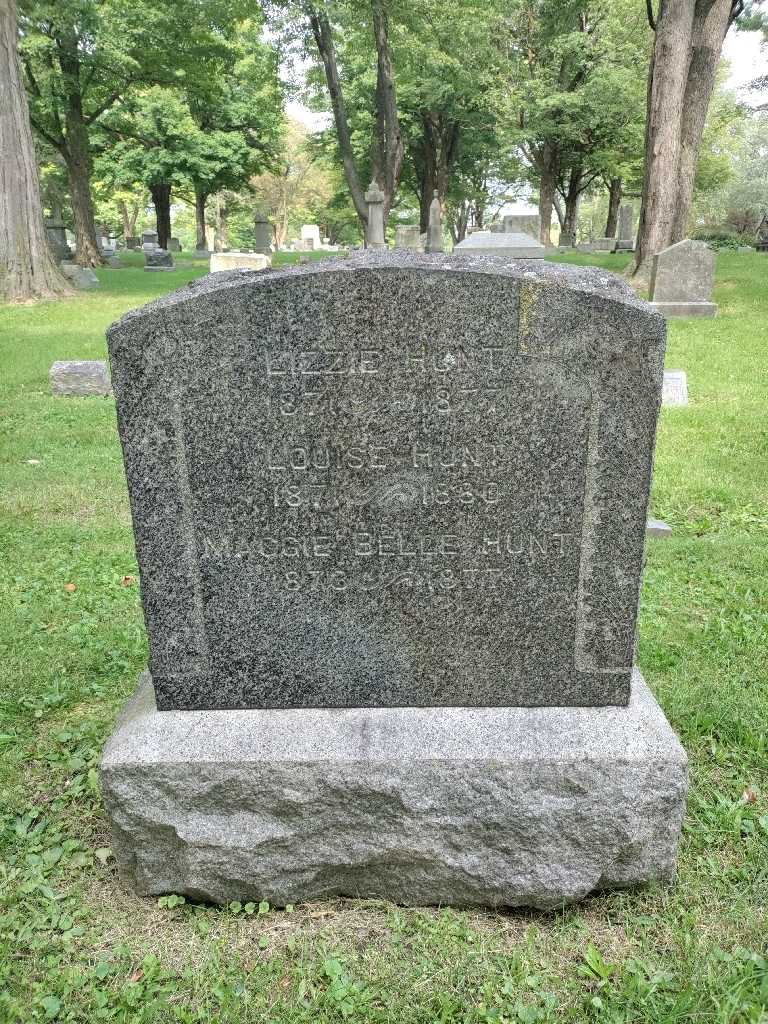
(675, 388)
(238, 260)
(79, 378)
(310, 236)
(407, 236)
(157, 259)
(682, 279)
(374, 232)
(263, 233)
(604, 245)
(761, 240)
(390, 518)
(527, 223)
(567, 240)
(174, 245)
(149, 236)
(626, 240)
(56, 233)
(80, 277)
(513, 244)
(132, 243)
(435, 225)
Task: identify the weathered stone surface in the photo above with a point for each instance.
(407, 236)
(80, 378)
(149, 236)
(682, 279)
(310, 234)
(659, 529)
(263, 233)
(374, 232)
(392, 479)
(435, 226)
(626, 239)
(174, 245)
(80, 277)
(238, 261)
(514, 245)
(675, 388)
(491, 806)
(567, 239)
(525, 223)
(158, 259)
(604, 245)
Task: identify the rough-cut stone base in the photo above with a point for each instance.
(463, 806)
(686, 309)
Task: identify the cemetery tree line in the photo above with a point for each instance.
(475, 99)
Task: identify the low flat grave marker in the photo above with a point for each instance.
(79, 378)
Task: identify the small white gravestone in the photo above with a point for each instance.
(310, 235)
(79, 378)
(675, 389)
(239, 261)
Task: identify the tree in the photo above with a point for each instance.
(689, 36)
(327, 25)
(81, 57)
(27, 267)
(238, 106)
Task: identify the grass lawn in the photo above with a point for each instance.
(75, 947)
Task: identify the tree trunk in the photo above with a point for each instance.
(161, 198)
(614, 202)
(572, 197)
(200, 200)
(78, 161)
(321, 30)
(547, 179)
(710, 25)
(122, 209)
(666, 90)
(436, 154)
(27, 267)
(390, 137)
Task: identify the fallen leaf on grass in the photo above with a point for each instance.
(70, 588)
(126, 581)
(749, 796)
(137, 975)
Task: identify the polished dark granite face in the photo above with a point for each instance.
(394, 479)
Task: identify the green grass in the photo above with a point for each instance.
(75, 947)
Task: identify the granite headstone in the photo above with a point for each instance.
(626, 240)
(441, 503)
(682, 279)
(79, 378)
(157, 259)
(363, 485)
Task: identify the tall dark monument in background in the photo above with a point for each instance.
(390, 516)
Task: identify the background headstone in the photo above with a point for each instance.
(675, 388)
(310, 236)
(57, 239)
(513, 244)
(158, 259)
(374, 235)
(407, 236)
(435, 226)
(174, 245)
(149, 236)
(626, 238)
(79, 378)
(80, 277)
(132, 243)
(527, 223)
(263, 233)
(238, 260)
(682, 279)
(567, 239)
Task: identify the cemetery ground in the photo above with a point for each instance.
(75, 946)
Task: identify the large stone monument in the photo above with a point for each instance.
(682, 279)
(390, 517)
(527, 223)
(56, 233)
(157, 259)
(310, 236)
